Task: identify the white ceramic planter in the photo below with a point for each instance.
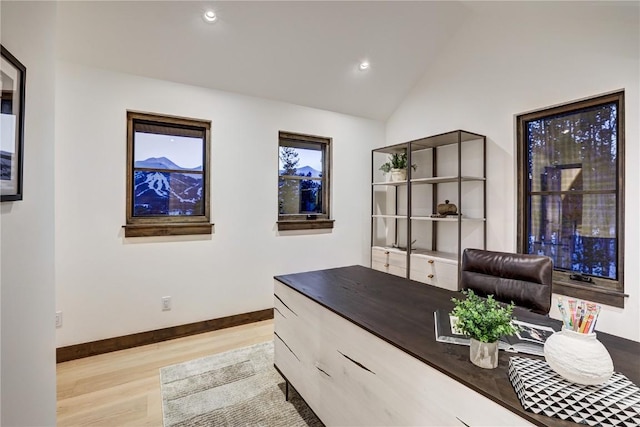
(579, 358)
(398, 174)
(484, 355)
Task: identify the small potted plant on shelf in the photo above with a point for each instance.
(484, 320)
(397, 165)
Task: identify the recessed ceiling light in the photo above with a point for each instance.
(364, 65)
(210, 16)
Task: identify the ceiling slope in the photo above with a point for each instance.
(301, 52)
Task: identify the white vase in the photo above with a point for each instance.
(483, 354)
(398, 174)
(579, 358)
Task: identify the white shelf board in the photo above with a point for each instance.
(391, 183)
(390, 249)
(443, 179)
(435, 254)
(390, 216)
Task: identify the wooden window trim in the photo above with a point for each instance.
(167, 225)
(604, 291)
(595, 292)
(312, 221)
(311, 224)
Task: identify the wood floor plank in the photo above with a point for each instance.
(123, 388)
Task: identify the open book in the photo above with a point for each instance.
(530, 339)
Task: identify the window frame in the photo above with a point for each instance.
(602, 290)
(310, 221)
(167, 225)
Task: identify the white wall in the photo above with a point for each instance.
(111, 286)
(28, 391)
(513, 57)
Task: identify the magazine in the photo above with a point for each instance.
(530, 339)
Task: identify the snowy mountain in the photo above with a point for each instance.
(5, 165)
(167, 193)
(161, 163)
(304, 171)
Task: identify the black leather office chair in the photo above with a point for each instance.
(523, 279)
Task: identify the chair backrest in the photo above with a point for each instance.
(523, 279)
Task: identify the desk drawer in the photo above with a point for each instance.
(434, 271)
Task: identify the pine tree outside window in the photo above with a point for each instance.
(571, 195)
(303, 182)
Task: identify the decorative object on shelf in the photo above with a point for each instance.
(402, 248)
(542, 391)
(484, 321)
(445, 209)
(12, 118)
(397, 165)
(398, 175)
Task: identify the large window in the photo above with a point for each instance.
(303, 182)
(167, 175)
(571, 163)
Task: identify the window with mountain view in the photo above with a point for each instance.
(571, 194)
(303, 184)
(167, 175)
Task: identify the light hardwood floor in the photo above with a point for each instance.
(123, 388)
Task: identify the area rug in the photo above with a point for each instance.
(237, 388)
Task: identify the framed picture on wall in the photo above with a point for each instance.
(12, 79)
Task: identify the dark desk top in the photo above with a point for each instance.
(400, 311)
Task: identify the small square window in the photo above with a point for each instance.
(303, 182)
(167, 175)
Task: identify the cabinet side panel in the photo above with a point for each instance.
(396, 389)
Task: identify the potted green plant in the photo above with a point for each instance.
(484, 320)
(397, 165)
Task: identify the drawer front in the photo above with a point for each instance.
(368, 374)
(379, 255)
(381, 385)
(393, 258)
(294, 316)
(398, 259)
(391, 269)
(295, 348)
(434, 271)
(389, 261)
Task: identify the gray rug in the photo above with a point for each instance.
(237, 388)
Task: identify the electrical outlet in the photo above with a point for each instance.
(166, 303)
(58, 319)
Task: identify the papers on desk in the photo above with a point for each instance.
(530, 340)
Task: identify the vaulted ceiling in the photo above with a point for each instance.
(301, 52)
